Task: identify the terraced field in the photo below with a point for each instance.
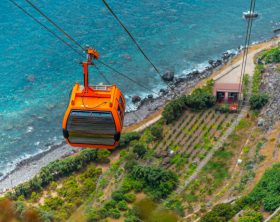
(188, 141)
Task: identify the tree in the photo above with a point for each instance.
(114, 213)
(157, 130)
(118, 195)
(174, 109)
(258, 101)
(122, 205)
(200, 99)
(139, 149)
(160, 182)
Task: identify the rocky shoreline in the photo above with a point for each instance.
(27, 168)
(177, 86)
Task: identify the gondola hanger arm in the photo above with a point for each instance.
(91, 55)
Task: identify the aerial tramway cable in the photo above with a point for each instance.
(247, 42)
(45, 27)
(109, 83)
(136, 43)
(73, 40)
(127, 77)
(53, 23)
(76, 43)
(249, 36)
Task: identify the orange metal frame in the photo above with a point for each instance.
(89, 99)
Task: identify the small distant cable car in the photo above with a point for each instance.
(95, 114)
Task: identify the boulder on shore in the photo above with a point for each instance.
(168, 76)
(136, 99)
(211, 62)
(163, 91)
(150, 96)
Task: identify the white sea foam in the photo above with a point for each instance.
(29, 129)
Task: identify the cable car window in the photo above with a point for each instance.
(91, 127)
(120, 113)
(121, 102)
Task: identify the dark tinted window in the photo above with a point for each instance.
(91, 127)
(120, 113)
(121, 102)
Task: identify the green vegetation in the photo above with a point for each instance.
(246, 82)
(251, 216)
(56, 170)
(258, 99)
(200, 98)
(267, 191)
(126, 138)
(221, 213)
(257, 78)
(271, 55)
(157, 181)
(139, 149)
(265, 195)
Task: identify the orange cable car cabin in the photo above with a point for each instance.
(95, 114)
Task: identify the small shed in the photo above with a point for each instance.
(227, 87)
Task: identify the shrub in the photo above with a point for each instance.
(122, 205)
(53, 203)
(53, 185)
(126, 138)
(102, 156)
(147, 136)
(200, 99)
(110, 205)
(92, 215)
(174, 109)
(221, 213)
(118, 195)
(246, 82)
(34, 197)
(139, 149)
(267, 191)
(157, 130)
(271, 56)
(158, 181)
(130, 197)
(54, 171)
(257, 78)
(258, 101)
(114, 213)
(130, 163)
(251, 216)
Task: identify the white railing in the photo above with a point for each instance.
(101, 87)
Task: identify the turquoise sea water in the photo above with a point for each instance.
(37, 71)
